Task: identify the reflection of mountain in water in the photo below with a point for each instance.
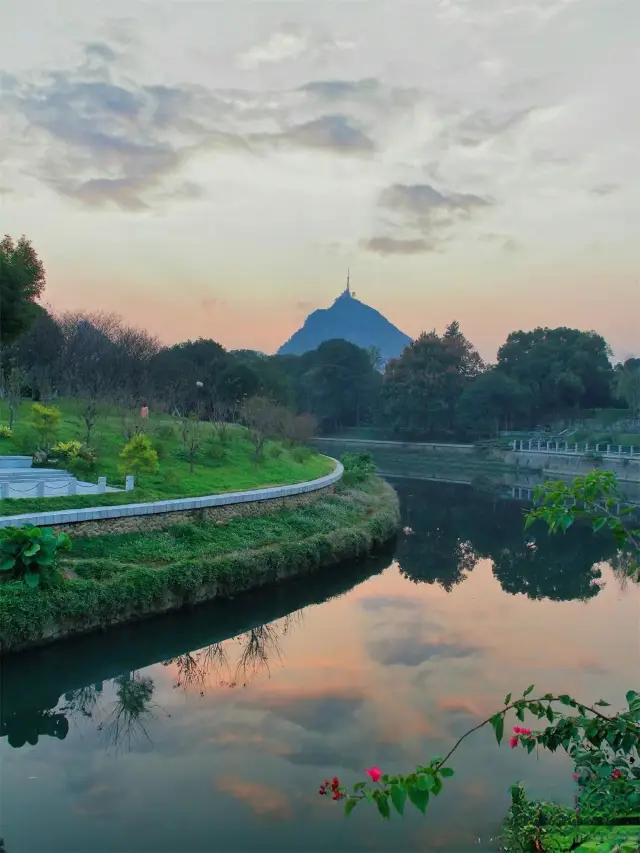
(454, 526)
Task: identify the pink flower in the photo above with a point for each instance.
(616, 774)
(513, 742)
(575, 776)
(374, 773)
(521, 731)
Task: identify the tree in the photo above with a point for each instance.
(263, 420)
(193, 436)
(22, 281)
(492, 401)
(421, 388)
(627, 384)
(38, 352)
(138, 456)
(562, 369)
(340, 384)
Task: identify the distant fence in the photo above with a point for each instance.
(575, 449)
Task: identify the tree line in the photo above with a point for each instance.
(439, 386)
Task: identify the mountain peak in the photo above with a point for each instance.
(352, 320)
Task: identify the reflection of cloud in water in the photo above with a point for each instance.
(410, 651)
(264, 800)
(385, 602)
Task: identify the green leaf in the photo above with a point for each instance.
(599, 523)
(31, 550)
(420, 799)
(398, 798)
(446, 772)
(383, 805)
(497, 722)
(632, 695)
(359, 786)
(507, 699)
(425, 783)
(350, 805)
(528, 690)
(7, 563)
(32, 579)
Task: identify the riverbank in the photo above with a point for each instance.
(145, 574)
(412, 458)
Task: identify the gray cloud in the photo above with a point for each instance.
(100, 141)
(395, 246)
(421, 218)
(422, 200)
(337, 133)
(335, 90)
(375, 604)
(410, 651)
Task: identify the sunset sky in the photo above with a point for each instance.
(213, 168)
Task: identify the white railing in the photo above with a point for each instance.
(574, 448)
(51, 488)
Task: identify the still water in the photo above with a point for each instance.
(210, 730)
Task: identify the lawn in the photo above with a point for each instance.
(219, 467)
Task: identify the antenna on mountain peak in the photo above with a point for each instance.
(348, 284)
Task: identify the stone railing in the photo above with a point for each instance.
(74, 516)
(51, 487)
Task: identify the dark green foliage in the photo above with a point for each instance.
(28, 552)
(22, 280)
(146, 572)
(357, 468)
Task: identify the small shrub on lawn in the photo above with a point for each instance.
(138, 456)
(5, 431)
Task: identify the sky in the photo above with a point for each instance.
(214, 168)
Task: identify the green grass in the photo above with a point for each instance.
(235, 471)
(116, 578)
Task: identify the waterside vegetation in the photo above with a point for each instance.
(108, 580)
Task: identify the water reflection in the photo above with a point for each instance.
(454, 527)
(219, 722)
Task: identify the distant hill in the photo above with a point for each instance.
(351, 320)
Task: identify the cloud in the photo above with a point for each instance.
(289, 43)
(264, 800)
(337, 133)
(410, 651)
(335, 90)
(376, 603)
(421, 216)
(394, 246)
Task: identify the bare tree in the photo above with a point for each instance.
(264, 421)
(193, 435)
(222, 414)
(14, 393)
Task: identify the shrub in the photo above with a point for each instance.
(67, 449)
(80, 467)
(165, 432)
(171, 479)
(300, 454)
(276, 451)
(5, 431)
(46, 422)
(357, 468)
(138, 456)
(214, 451)
(26, 552)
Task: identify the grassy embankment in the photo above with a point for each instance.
(227, 466)
(112, 579)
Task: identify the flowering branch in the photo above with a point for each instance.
(588, 730)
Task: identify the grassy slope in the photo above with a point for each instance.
(116, 577)
(235, 472)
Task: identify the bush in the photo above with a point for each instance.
(26, 552)
(138, 456)
(170, 479)
(276, 451)
(357, 468)
(5, 431)
(67, 449)
(80, 467)
(300, 454)
(165, 432)
(214, 451)
(46, 422)
(25, 440)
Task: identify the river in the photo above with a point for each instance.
(210, 730)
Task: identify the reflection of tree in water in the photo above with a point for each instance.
(27, 726)
(130, 712)
(258, 648)
(83, 701)
(455, 526)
